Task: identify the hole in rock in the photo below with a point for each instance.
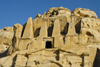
(48, 44)
(89, 34)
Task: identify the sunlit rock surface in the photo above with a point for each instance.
(58, 38)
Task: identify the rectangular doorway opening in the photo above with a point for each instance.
(48, 44)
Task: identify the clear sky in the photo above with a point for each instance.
(18, 11)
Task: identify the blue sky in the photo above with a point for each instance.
(18, 11)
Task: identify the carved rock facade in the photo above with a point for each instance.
(58, 38)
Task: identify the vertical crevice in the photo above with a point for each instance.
(65, 31)
(96, 62)
(78, 27)
(64, 40)
(27, 59)
(50, 29)
(82, 56)
(57, 55)
(23, 29)
(37, 32)
(14, 60)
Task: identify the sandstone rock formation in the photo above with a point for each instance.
(6, 35)
(58, 38)
(84, 13)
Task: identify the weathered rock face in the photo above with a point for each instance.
(58, 38)
(84, 13)
(6, 35)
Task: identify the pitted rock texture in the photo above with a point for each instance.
(84, 13)
(6, 35)
(58, 38)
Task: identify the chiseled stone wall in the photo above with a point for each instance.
(58, 38)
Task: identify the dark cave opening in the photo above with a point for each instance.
(48, 44)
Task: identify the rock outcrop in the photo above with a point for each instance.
(6, 36)
(84, 13)
(58, 38)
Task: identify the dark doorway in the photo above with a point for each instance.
(48, 44)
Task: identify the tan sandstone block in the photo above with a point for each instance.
(28, 31)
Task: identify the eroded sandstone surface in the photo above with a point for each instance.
(58, 38)
(6, 35)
